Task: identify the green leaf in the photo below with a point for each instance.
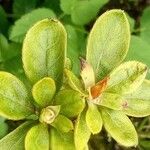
(37, 138)
(93, 119)
(110, 100)
(62, 124)
(3, 127)
(21, 7)
(8, 50)
(138, 102)
(22, 25)
(4, 22)
(15, 139)
(119, 126)
(67, 5)
(44, 55)
(82, 132)
(75, 45)
(131, 22)
(127, 77)
(108, 42)
(14, 99)
(82, 12)
(43, 91)
(145, 25)
(139, 50)
(61, 141)
(72, 103)
(73, 81)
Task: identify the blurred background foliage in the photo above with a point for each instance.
(78, 16)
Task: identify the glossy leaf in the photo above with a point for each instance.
(43, 91)
(72, 103)
(22, 25)
(14, 99)
(44, 55)
(119, 126)
(62, 123)
(138, 102)
(127, 77)
(15, 139)
(37, 138)
(61, 141)
(93, 119)
(73, 81)
(82, 132)
(108, 42)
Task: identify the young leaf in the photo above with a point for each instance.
(82, 132)
(119, 126)
(22, 25)
(14, 99)
(73, 81)
(108, 42)
(138, 102)
(87, 74)
(127, 77)
(37, 138)
(61, 141)
(93, 119)
(15, 139)
(43, 91)
(72, 103)
(44, 55)
(62, 124)
(49, 114)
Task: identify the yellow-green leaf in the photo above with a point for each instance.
(110, 100)
(72, 102)
(108, 42)
(82, 132)
(73, 81)
(15, 139)
(62, 123)
(44, 51)
(93, 119)
(43, 91)
(37, 138)
(61, 141)
(119, 126)
(127, 77)
(14, 99)
(138, 102)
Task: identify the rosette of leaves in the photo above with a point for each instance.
(112, 91)
(45, 125)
